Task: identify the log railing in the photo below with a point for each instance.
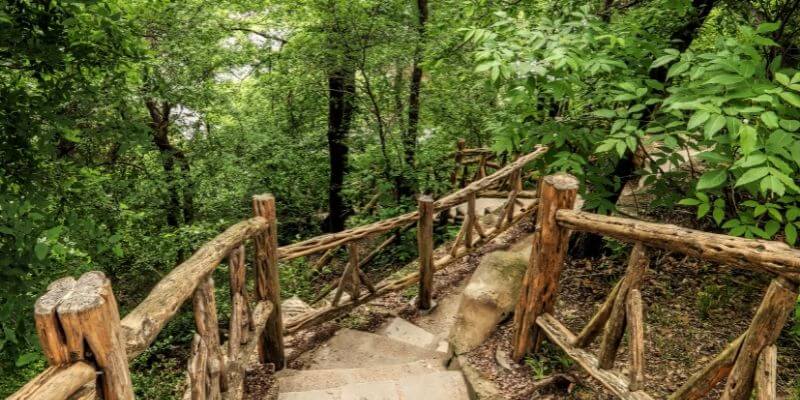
(747, 364)
(88, 346)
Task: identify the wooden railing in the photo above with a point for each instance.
(88, 346)
(747, 362)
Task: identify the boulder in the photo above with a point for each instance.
(490, 296)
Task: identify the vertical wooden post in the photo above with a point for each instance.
(425, 247)
(459, 156)
(615, 326)
(778, 303)
(206, 321)
(237, 275)
(79, 319)
(471, 219)
(198, 369)
(550, 243)
(635, 316)
(355, 278)
(767, 374)
(271, 347)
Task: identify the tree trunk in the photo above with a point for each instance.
(170, 155)
(412, 130)
(590, 245)
(341, 90)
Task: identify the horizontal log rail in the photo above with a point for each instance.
(325, 242)
(754, 254)
(746, 363)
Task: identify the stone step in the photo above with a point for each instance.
(356, 349)
(292, 380)
(406, 332)
(446, 385)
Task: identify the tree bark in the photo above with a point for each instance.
(341, 92)
(412, 130)
(170, 155)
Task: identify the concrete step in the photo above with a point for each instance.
(445, 385)
(406, 332)
(355, 349)
(293, 380)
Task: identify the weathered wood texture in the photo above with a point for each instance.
(324, 242)
(767, 374)
(425, 249)
(704, 380)
(615, 326)
(237, 361)
(207, 324)
(761, 255)
(778, 303)
(80, 319)
(271, 347)
(238, 329)
(198, 369)
(550, 242)
(562, 337)
(598, 321)
(635, 317)
(350, 278)
(459, 156)
(57, 382)
(142, 325)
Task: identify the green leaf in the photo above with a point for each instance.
(725, 79)
(770, 119)
(768, 27)
(773, 184)
(703, 209)
(712, 179)
(790, 125)
(771, 228)
(791, 234)
(41, 250)
(663, 60)
(713, 126)
(26, 359)
(783, 79)
(752, 175)
(748, 137)
(718, 214)
(605, 113)
(697, 119)
(790, 98)
(689, 202)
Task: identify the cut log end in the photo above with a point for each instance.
(562, 181)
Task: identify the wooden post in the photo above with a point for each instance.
(471, 220)
(635, 316)
(778, 303)
(615, 326)
(205, 318)
(198, 369)
(238, 276)
(271, 347)
(767, 374)
(355, 276)
(550, 243)
(703, 381)
(80, 320)
(425, 247)
(459, 156)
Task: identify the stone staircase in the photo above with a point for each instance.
(399, 361)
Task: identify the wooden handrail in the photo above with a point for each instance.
(755, 254)
(325, 242)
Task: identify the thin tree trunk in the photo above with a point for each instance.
(341, 90)
(412, 131)
(591, 245)
(170, 155)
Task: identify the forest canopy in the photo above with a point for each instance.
(132, 131)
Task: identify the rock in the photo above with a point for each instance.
(489, 297)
